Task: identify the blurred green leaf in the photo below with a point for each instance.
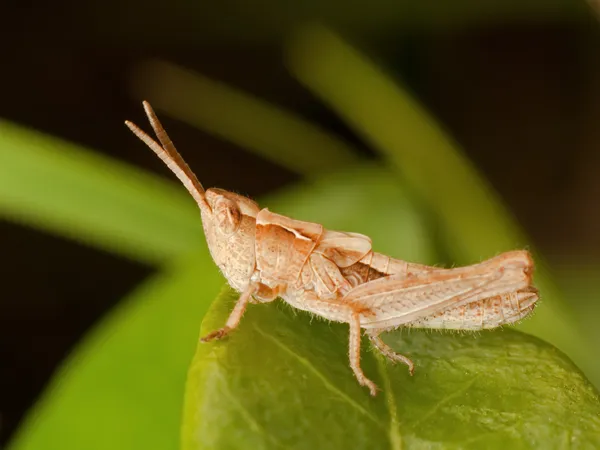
(472, 219)
(282, 380)
(59, 187)
(581, 283)
(122, 388)
(256, 125)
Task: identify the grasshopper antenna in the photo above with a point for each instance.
(170, 156)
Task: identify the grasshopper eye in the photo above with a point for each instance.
(227, 215)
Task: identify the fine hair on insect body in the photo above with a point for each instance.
(337, 276)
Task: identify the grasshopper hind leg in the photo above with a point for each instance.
(387, 351)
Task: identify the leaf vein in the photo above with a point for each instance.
(394, 427)
(328, 384)
(443, 401)
(246, 415)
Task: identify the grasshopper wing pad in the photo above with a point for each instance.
(283, 246)
(395, 300)
(326, 275)
(344, 249)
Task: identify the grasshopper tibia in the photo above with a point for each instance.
(387, 351)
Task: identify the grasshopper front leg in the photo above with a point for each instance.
(263, 293)
(236, 315)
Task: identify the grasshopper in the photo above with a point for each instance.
(337, 275)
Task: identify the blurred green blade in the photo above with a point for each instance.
(247, 121)
(122, 388)
(397, 126)
(474, 222)
(56, 186)
(282, 380)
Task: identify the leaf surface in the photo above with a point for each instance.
(282, 380)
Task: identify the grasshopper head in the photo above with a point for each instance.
(230, 227)
(229, 219)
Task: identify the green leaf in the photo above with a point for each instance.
(122, 388)
(252, 123)
(282, 380)
(472, 219)
(56, 186)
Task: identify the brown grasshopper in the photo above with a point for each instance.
(336, 275)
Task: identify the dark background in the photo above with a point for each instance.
(520, 94)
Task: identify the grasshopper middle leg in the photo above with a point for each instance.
(354, 353)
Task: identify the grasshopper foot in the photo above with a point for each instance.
(218, 334)
(373, 389)
(364, 381)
